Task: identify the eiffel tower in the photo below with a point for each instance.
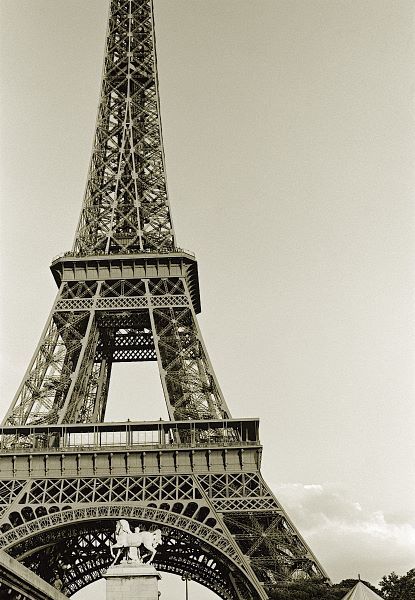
(127, 292)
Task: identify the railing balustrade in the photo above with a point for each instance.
(156, 434)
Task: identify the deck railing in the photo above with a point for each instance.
(130, 435)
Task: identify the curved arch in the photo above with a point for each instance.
(212, 559)
(98, 511)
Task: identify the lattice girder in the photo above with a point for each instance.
(96, 323)
(126, 206)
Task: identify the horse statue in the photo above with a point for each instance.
(132, 540)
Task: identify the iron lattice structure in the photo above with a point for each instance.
(127, 293)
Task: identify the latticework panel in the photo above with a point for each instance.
(274, 548)
(42, 393)
(78, 289)
(9, 492)
(233, 485)
(189, 378)
(112, 489)
(126, 207)
(125, 338)
(260, 526)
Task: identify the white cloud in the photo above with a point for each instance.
(346, 537)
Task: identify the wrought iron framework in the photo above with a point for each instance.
(127, 293)
(125, 207)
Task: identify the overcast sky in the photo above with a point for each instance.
(289, 139)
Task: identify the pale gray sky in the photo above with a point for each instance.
(289, 138)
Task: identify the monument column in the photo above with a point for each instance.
(132, 581)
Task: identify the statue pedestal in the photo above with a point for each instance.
(132, 581)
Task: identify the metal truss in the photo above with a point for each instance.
(127, 293)
(51, 523)
(126, 207)
(96, 323)
(208, 488)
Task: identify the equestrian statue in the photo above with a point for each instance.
(132, 540)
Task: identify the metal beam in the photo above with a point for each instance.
(17, 582)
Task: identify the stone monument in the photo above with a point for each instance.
(132, 578)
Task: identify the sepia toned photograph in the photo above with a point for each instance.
(207, 213)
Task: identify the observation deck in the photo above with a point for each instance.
(149, 447)
(98, 267)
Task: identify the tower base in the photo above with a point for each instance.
(132, 581)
